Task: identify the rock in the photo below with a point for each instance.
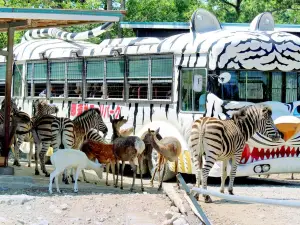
(180, 221)
(57, 211)
(20, 221)
(176, 216)
(169, 222)
(169, 214)
(2, 219)
(101, 219)
(174, 209)
(43, 222)
(64, 206)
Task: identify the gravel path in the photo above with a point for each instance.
(25, 202)
(99, 204)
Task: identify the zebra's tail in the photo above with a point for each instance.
(195, 142)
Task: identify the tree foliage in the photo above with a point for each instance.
(283, 11)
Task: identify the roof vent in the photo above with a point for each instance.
(263, 22)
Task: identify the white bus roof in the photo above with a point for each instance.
(186, 26)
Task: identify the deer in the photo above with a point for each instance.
(130, 149)
(168, 148)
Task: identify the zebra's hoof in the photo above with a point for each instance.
(121, 188)
(47, 175)
(115, 186)
(222, 191)
(67, 181)
(159, 188)
(37, 172)
(142, 189)
(231, 192)
(73, 181)
(207, 199)
(16, 163)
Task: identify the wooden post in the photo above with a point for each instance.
(8, 81)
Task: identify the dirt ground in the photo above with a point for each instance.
(93, 204)
(99, 204)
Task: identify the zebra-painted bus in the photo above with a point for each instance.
(170, 82)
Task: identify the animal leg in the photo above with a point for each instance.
(54, 174)
(118, 170)
(140, 158)
(113, 170)
(122, 173)
(107, 171)
(133, 167)
(235, 159)
(30, 154)
(36, 159)
(224, 175)
(71, 175)
(210, 160)
(18, 141)
(45, 147)
(156, 168)
(84, 177)
(76, 179)
(292, 177)
(163, 175)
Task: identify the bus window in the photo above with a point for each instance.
(95, 90)
(57, 78)
(115, 78)
(161, 90)
(74, 78)
(115, 90)
(138, 91)
(193, 95)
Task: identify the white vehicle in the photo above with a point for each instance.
(165, 83)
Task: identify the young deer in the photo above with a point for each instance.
(127, 149)
(71, 158)
(168, 148)
(103, 152)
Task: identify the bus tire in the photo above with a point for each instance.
(168, 175)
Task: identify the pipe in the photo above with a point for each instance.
(278, 202)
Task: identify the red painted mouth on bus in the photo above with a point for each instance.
(253, 154)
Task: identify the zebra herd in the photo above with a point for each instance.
(45, 130)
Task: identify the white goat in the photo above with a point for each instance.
(71, 158)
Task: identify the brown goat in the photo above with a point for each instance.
(102, 152)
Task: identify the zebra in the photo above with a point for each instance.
(40, 108)
(225, 139)
(57, 132)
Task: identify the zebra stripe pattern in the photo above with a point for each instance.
(53, 131)
(225, 139)
(94, 135)
(60, 34)
(40, 108)
(43, 108)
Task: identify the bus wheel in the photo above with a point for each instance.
(168, 175)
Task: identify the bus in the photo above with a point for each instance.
(169, 82)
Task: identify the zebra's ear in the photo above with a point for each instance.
(267, 111)
(157, 131)
(239, 115)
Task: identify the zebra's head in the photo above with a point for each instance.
(267, 126)
(257, 118)
(43, 108)
(100, 125)
(13, 105)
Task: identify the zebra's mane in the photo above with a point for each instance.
(86, 113)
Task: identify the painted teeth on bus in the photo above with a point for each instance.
(169, 82)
